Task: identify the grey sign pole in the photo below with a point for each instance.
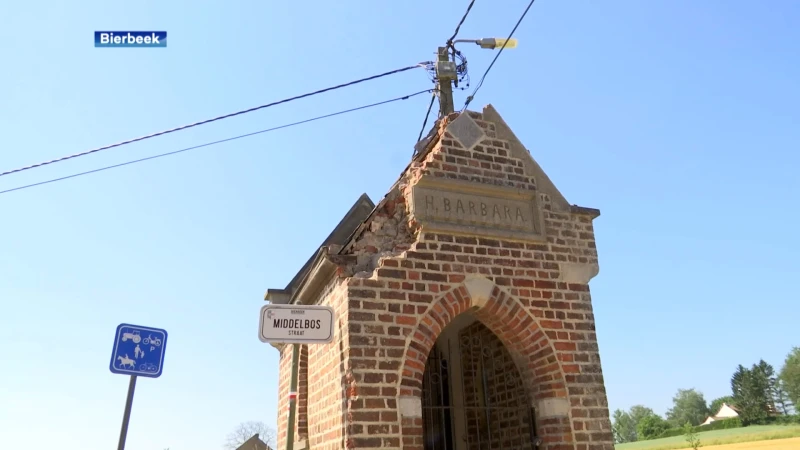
(293, 397)
(126, 417)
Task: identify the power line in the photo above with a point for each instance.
(226, 116)
(458, 58)
(405, 97)
(427, 115)
(510, 35)
(461, 22)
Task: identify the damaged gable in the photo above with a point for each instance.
(491, 161)
(359, 212)
(385, 232)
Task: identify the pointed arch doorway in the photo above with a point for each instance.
(473, 397)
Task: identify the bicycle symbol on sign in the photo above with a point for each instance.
(148, 367)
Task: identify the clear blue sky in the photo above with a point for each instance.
(678, 119)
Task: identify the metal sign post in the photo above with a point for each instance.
(295, 324)
(126, 416)
(293, 396)
(138, 351)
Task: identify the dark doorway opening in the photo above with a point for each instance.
(473, 397)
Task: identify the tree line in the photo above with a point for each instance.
(759, 395)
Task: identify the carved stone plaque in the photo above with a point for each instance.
(476, 209)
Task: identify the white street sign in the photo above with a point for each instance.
(296, 324)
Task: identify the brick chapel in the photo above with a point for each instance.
(463, 314)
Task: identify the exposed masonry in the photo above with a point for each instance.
(396, 287)
(388, 235)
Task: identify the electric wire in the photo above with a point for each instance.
(458, 57)
(510, 35)
(405, 97)
(226, 116)
(427, 115)
(461, 22)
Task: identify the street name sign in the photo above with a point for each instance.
(296, 324)
(138, 351)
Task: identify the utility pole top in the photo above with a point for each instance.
(447, 70)
(445, 75)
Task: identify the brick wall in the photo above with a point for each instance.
(409, 283)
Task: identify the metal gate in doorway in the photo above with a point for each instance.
(473, 397)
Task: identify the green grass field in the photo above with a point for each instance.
(719, 437)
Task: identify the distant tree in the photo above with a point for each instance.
(691, 436)
(639, 412)
(623, 427)
(766, 373)
(625, 423)
(246, 430)
(715, 405)
(750, 393)
(790, 377)
(782, 402)
(651, 427)
(690, 406)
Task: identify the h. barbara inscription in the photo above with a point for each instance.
(474, 209)
(477, 209)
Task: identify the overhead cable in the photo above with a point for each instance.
(427, 115)
(405, 97)
(226, 116)
(461, 22)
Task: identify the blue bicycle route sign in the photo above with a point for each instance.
(138, 351)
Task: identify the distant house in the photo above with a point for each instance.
(254, 443)
(726, 411)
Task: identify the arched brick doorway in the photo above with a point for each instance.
(529, 346)
(473, 396)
